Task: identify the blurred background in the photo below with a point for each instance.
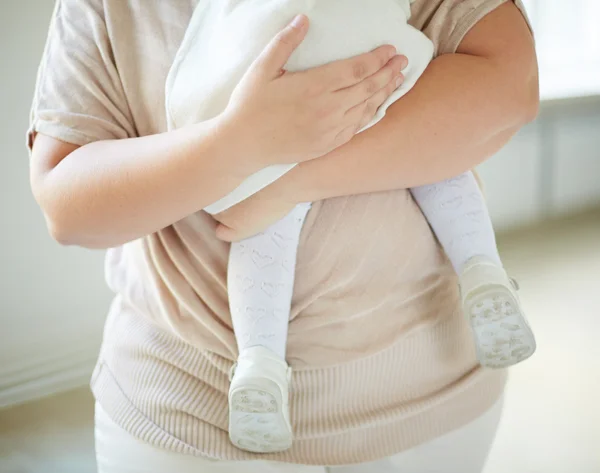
(544, 194)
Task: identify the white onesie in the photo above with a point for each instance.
(222, 41)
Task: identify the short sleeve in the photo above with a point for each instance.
(446, 22)
(79, 97)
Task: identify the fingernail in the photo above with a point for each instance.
(399, 80)
(403, 62)
(298, 21)
(392, 52)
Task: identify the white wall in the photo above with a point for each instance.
(576, 170)
(550, 168)
(52, 300)
(511, 180)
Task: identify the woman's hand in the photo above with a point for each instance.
(282, 117)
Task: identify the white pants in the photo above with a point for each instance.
(463, 451)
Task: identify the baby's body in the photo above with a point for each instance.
(261, 269)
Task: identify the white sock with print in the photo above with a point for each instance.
(457, 213)
(261, 281)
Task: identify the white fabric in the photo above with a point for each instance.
(465, 450)
(260, 281)
(456, 210)
(225, 36)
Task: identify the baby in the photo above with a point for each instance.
(222, 41)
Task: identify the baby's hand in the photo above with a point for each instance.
(253, 215)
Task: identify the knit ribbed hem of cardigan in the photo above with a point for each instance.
(422, 421)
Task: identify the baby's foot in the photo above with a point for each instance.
(502, 335)
(259, 419)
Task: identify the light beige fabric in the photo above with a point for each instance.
(464, 450)
(383, 360)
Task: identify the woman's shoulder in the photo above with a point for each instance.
(146, 14)
(446, 22)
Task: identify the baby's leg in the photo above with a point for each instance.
(456, 211)
(459, 217)
(260, 283)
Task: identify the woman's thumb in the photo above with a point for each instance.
(277, 53)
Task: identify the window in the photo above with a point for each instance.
(568, 43)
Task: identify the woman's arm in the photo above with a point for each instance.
(464, 108)
(109, 192)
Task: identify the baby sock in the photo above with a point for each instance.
(261, 281)
(458, 215)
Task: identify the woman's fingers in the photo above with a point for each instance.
(274, 57)
(389, 77)
(363, 113)
(348, 72)
(345, 135)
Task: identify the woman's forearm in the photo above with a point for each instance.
(442, 128)
(463, 109)
(110, 192)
